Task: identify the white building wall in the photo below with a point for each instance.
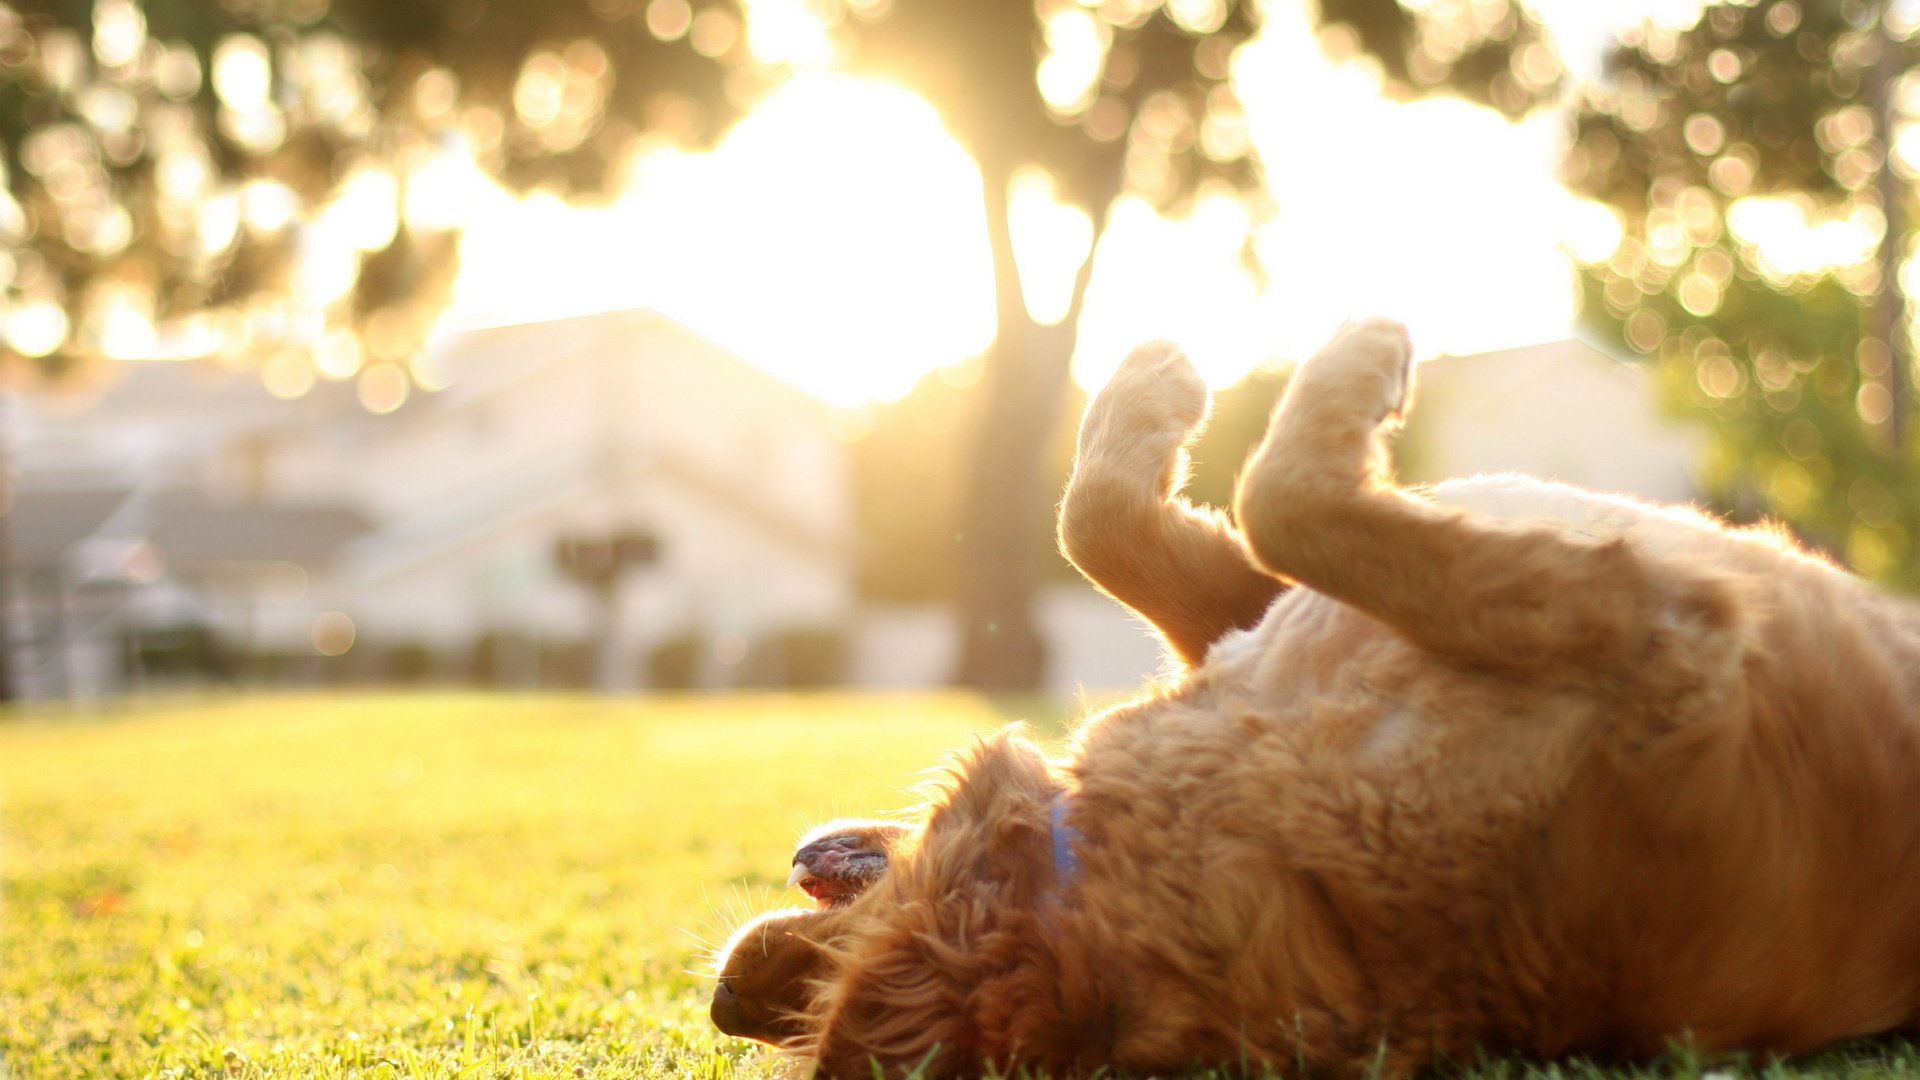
(1560, 411)
(1094, 646)
(580, 427)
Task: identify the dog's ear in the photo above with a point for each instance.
(991, 822)
(896, 1000)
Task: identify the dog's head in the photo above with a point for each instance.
(947, 964)
(768, 972)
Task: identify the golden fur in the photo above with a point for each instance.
(1552, 773)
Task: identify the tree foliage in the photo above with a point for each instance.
(1490, 52)
(1754, 163)
(1109, 97)
(1759, 165)
(265, 180)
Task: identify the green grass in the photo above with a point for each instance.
(431, 886)
(449, 886)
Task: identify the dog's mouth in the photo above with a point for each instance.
(827, 892)
(835, 869)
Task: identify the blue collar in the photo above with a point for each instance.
(1065, 862)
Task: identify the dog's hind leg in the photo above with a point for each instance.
(1125, 525)
(1316, 505)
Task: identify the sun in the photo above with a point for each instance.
(836, 237)
(843, 244)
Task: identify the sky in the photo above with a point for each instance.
(836, 238)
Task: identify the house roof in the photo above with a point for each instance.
(195, 532)
(497, 363)
(157, 425)
(44, 524)
(479, 361)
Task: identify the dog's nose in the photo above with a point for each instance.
(725, 1012)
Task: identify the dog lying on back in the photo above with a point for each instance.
(1504, 766)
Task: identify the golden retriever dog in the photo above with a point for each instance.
(1502, 766)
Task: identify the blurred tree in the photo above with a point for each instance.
(1759, 166)
(1238, 423)
(1761, 163)
(1101, 98)
(1130, 96)
(910, 472)
(264, 178)
(256, 177)
(1489, 52)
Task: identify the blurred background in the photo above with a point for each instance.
(700, 344)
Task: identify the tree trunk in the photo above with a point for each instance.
(9, 618)
(1887, 311)
(1006, 517)
(1001, 519)
(10, 630)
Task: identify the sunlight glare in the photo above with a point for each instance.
(836, 238)
(1178, 279)
(446, 190)
(1593, 231)
(1436, 212)
(338, 355)
(217, 222)
(1790, 238)
(1069, 74)
(119, 32)
(366, 212)
(242, 73)
(326, 268)
(36, 329)
(788, 32)
(121, 323)
(1051, 241)
(268, 205)
(863, 218)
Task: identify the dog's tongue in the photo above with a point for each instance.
(825, 891)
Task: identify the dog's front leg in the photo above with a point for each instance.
(1125, 525)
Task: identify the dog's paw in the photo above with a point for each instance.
(1367, 368)
(1156, 396)
(1328, 423)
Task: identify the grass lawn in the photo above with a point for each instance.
(432, 885)
(446, 885)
